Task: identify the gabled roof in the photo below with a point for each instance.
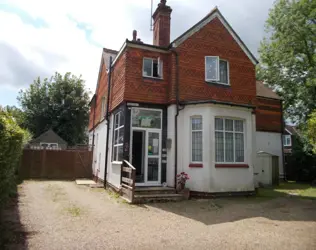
(291, 130)
(49, 136)
(213, 14)
(265, 91)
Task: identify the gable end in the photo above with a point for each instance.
(215, 14)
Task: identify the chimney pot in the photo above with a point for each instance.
(134, 35)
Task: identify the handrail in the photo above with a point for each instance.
(130, 165)
(128, 179)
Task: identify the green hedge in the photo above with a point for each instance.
(12, 139)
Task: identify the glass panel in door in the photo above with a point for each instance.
(153, 157)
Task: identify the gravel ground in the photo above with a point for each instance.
(61, 215)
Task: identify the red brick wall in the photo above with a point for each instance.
(117, 90)
(141, 89)
(269, 115)
(214, 40)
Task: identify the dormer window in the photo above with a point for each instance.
(216, 70)
(152, 67)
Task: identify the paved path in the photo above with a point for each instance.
(61, 215)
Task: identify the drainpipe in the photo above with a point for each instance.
(176, 119)
(282, 131)
(107, 122)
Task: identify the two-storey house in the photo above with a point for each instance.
(188, 105)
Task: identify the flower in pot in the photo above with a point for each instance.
(181, 179)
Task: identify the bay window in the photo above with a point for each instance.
(229, 140)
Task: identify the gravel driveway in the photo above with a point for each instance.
(61, 215)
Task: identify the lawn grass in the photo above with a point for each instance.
(290, 188)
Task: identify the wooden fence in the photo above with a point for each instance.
(56, 164)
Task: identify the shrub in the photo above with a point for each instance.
(12, 139)
(301, 164)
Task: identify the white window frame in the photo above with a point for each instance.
(228, 83)
(49, 144)
(159, 65)
(191, 138)
(285, 137)
(217, 79)
(224, 141)
(115, 157)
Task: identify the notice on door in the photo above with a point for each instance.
(155, 146)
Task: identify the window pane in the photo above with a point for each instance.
(219, 124)
(114, 153)
(146, 118)
(197, 146)
(121, 119)
(223, 74)
(229, 124)
(116, 120)
(239, 142)
(153, 169)
(196, 123)
(121, 135)
(229, 147)
(219, 146)
(211, 68)
(147, 67)
(239, 126)
(120, 153)
(153, 143)
(155, 68)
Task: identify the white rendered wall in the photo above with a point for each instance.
(209, 178)
(271, 143)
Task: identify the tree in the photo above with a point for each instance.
(16, 113)
(288, 56)
(311, 130)
(60, 103)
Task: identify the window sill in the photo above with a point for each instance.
(117, 162)
(152, 78)
(196, 165)
(220, 84)
(231, 165)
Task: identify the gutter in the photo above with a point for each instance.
(218, 102)
(107, 122)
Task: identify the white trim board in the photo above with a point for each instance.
(198, 27)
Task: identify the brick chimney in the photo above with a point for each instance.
(162, 24)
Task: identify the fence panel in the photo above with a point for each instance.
(56, 164)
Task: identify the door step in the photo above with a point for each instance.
(156, 196)
(154, 190)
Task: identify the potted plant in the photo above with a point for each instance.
(181, 180)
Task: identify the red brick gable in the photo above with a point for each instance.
(214, 40)
(117, 90)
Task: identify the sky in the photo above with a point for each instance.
(38, 38)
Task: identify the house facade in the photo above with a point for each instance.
(189, 105)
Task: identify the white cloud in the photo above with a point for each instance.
(62, 46)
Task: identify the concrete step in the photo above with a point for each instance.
(147, 198)
(154, 190)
